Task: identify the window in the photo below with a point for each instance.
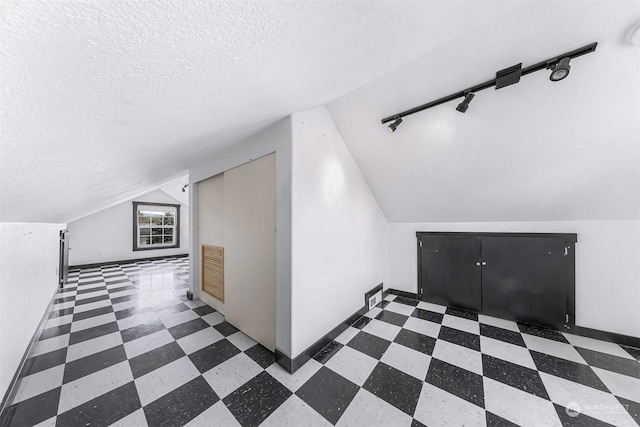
(155, 226)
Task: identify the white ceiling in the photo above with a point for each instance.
(104, 100)
(535, 151)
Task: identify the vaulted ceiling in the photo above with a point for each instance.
(103, 100)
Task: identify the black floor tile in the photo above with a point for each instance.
(383, 303)
(115, 290)
(125, 298)
(416, 423)
(327, 352)
(495, 421)
(188, 328)
(213, 355)
(610, 362)
(226, 328)
(60, 313)
(505, 335)
(55, 331)
(568, 370)
(91, 333)
(427, 315)
(406, 301)
(44, 361)
(457, 381)
(32, 411)
(568, 418)
(182, 404)
(141, 330)
(391, 317)
(103, 410)
(369, 344)
(514, 375)
(633, 408)
(92, 299)
(154, 359)
(123, 314)
(63, 299)
(172, 309)
(113, 280)
(203, 310)
(261, 355)
(462, 313)
(415, 341)
(93, 363)
(328, 393)
(541, 332)
(88, 291)
(462, 338)
(395, 387)
(92, 313)
(90, 282)
(635, 352)
(254, 401)
(361, 322)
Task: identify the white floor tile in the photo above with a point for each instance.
(51, 344)
(505, 351)
(51, 422)
(92, 306)
(216, 415)
(116, 294)
(242, 341)
(620, 385)
(63, 305)
(194, 303)
(594, 403)
(499, 323)
(407, 360)
(198, 340)
(423, 327)
(436, 308)
(213, 318)
(460, 356)
(366, 409)
(58, 321)
(125, 305)
(461, 324)
(352, 364)
(294, 381)
(165, 379)
(147, 343)
(92, 346)
(403, 309)
(518, 406)
(178, 318)
(136, 320)
(347, 335)
(373, 312)
(382, 329)
(93, 321)
(134, 419)
(390, 297)
(91, 386)
(38, 383)
(231, 374)
(553, 348)
(437, 407)
(88, 295)
(597, 345)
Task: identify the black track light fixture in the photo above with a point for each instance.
(393, 126)
(464, 105)
(558, 64)
(560, 70)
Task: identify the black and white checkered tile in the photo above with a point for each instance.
(124, 347)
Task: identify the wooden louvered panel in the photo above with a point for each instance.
(213, 271)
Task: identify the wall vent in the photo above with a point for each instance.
(375, 300)
(213, 271)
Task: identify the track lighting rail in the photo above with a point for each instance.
(503, 78)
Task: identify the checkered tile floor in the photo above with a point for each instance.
(123, 346)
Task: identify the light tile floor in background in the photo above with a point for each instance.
(123, 346)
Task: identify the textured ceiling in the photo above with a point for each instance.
(103, 100)
(534, 151)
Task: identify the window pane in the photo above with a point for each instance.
(157, 240)
(168, 239)
(145, 240)
(168, 231)
(144, 220)
(156, 231)
(156, 220)
(145, 231)
(168, 220)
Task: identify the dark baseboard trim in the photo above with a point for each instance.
(403, 293)
(11, 390)
(608, 336)
(292, 365)
(125, 261)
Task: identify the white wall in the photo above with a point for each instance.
(275, 138)
(107, 235)
(29, 257)
(607, 265)
(339, 233)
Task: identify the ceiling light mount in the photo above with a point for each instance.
(558, 64)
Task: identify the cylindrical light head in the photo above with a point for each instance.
(393, 126)
(464, 105)
(561, 70)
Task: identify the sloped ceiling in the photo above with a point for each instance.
(534, 151)
(104, 100)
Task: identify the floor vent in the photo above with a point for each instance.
(374, 300)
